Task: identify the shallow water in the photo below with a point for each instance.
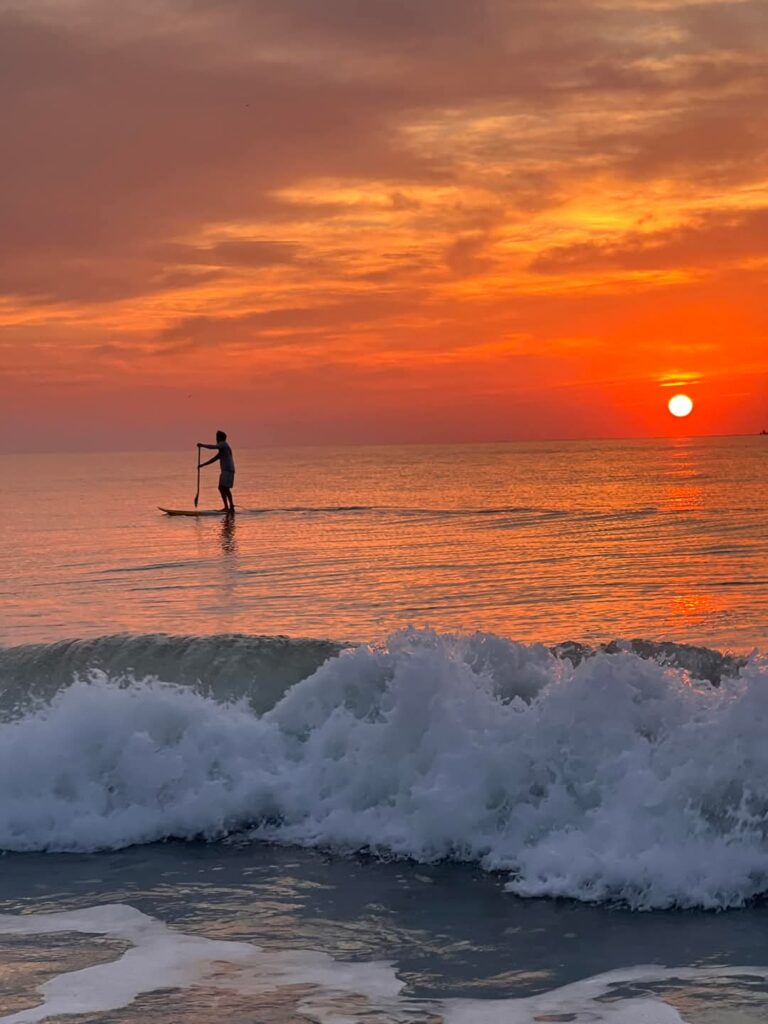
(581, 540)
(318, 938)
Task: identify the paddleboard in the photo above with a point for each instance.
(194, 511)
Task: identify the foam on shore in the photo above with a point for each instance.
(332, 991)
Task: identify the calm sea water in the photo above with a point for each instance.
(655, 539)
(205, 817)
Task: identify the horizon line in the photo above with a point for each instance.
(383, 444)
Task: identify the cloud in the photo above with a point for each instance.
(715, 240)
(249, 253)
(281, 327)
(351, 182)
(115, 144)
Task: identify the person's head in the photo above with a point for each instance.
(220, 435)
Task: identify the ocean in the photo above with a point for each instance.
(425, 734)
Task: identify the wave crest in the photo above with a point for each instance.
(616, 778)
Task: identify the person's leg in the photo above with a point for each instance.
(228, 499)
(223, 491)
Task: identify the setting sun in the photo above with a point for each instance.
(680, 405)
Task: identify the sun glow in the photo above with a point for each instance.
(680, 405)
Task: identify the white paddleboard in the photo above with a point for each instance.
(194, 511)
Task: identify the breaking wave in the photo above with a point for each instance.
(620, 774)
(227, 666)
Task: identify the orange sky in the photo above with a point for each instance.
(380, 220)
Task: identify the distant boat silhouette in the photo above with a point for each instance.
(764, 432)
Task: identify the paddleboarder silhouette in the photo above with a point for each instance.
(227, 473)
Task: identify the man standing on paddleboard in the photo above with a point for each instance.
(227, 475)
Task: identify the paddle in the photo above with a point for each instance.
(197, 494)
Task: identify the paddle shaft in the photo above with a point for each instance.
(197, 493)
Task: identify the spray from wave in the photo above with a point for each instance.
(615, 778)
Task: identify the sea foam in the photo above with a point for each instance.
(160, 957)
(613, 779)
(319, 988)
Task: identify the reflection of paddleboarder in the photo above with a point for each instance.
(227, 475)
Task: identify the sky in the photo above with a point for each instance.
(375, 221)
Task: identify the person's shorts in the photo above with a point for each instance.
(226, 478)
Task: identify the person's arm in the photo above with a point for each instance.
(214, 447)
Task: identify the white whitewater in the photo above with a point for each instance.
(616, 779)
